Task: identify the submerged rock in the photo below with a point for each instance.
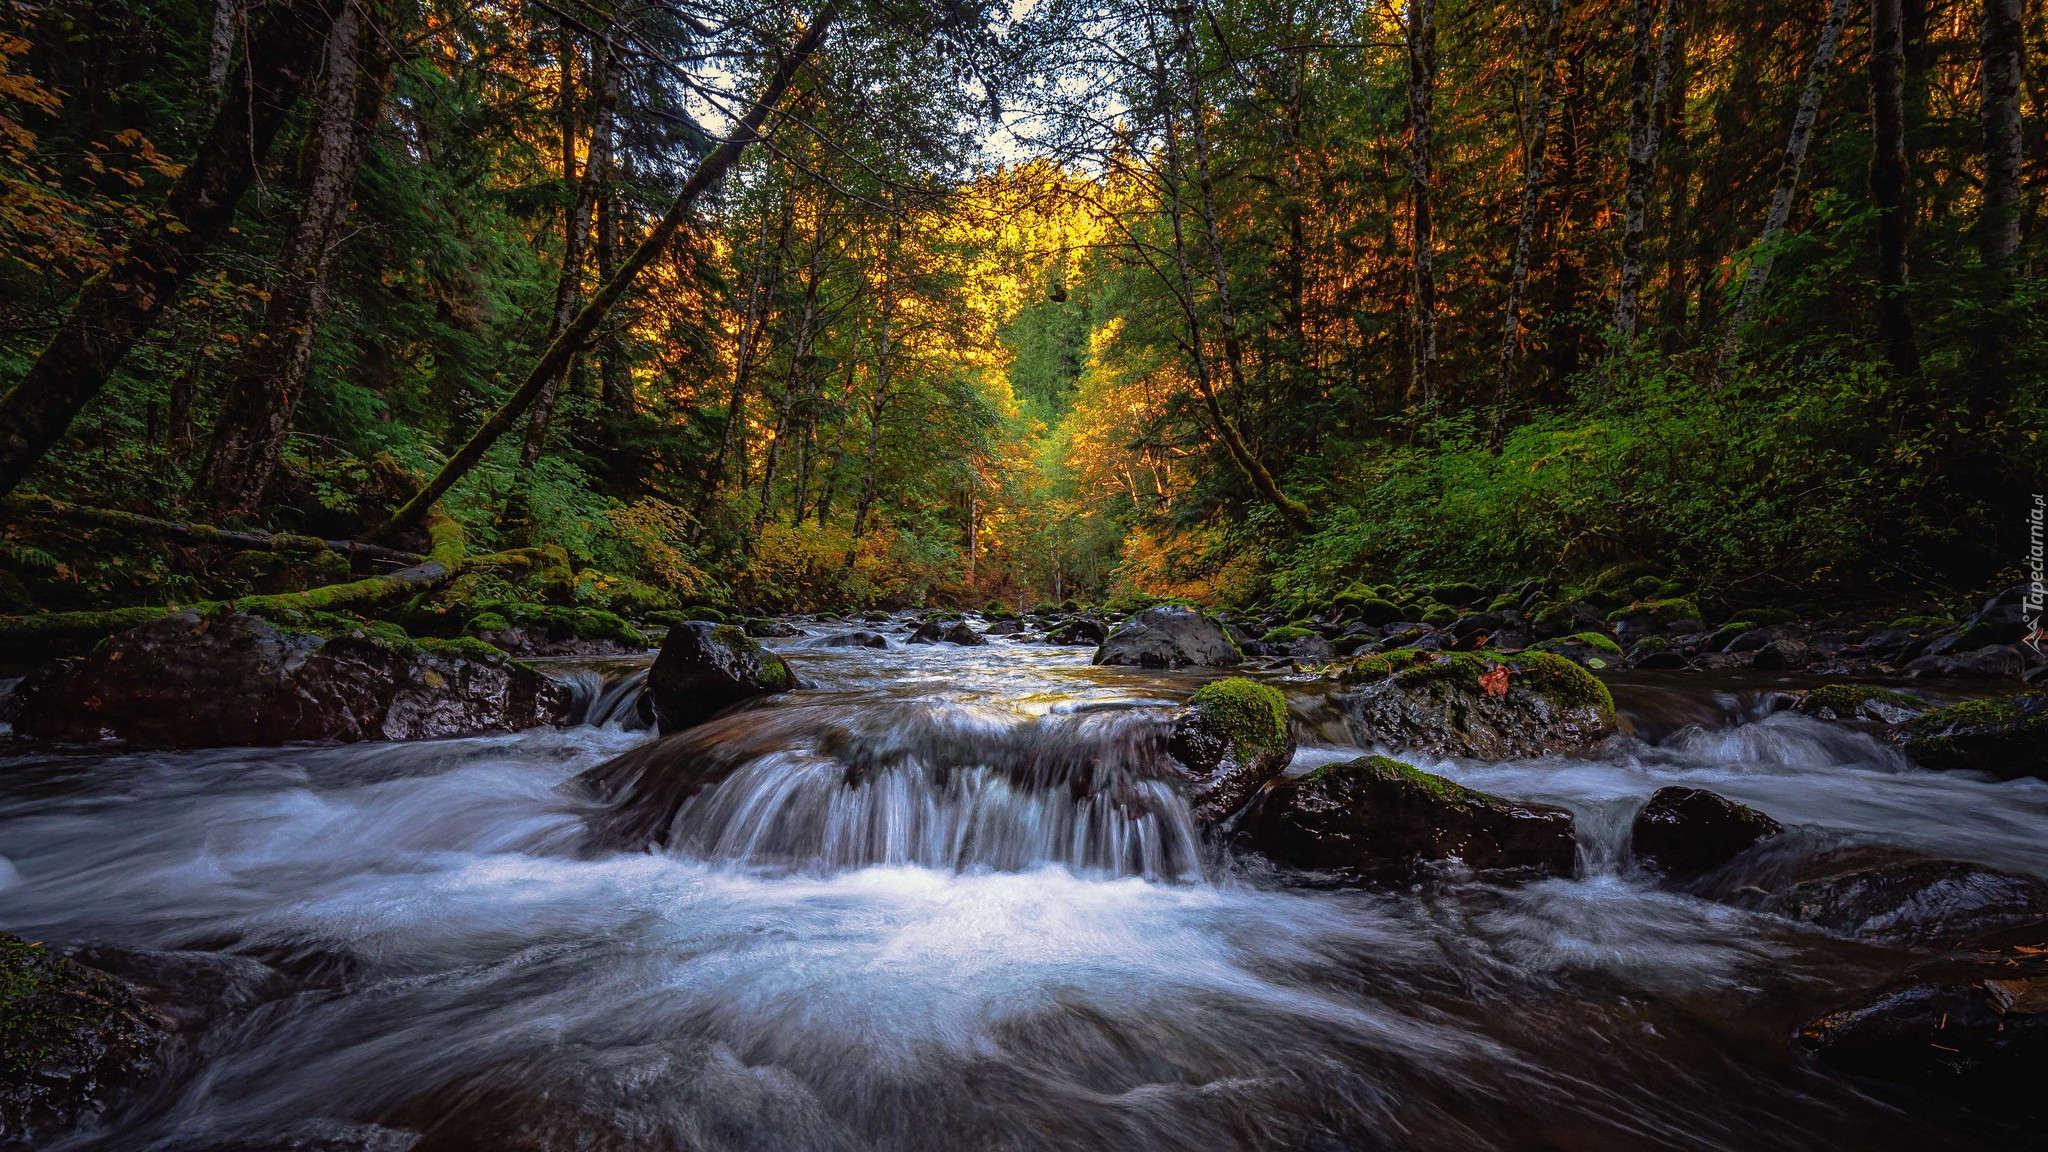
(856, 640)
(231, 679)
(1169, 636)
(71, 1039)
(1484, 705)
(1231, 738)
(1687, 831)
(1378, 819)
(705, 668)
(2007, 738)
(1911, 900)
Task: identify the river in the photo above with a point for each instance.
(428, 938)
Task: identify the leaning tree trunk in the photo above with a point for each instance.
(256, 414)
(563, 348)
(115, 308)
(576, 229)
(1646, 101)
(1788, 184)
(1421, 221)
(1888, 189)
(1525, 230)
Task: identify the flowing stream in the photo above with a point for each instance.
(939, 901)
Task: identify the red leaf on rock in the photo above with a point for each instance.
(1496, 681)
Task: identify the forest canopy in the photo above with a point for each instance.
(662, 304)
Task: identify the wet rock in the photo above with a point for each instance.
(1783, 655)
(71, 1040)
(1859, 702)
(856, 640)
(1969, 1032)
(706, 668)
(764, 627)
(545, 630)
(929, 632)
(1376, 819)
(1911, 900)
(1484, 705)
(2006, 737)
(1655, 618)
(1686, 831)
(1078, 631)
(1586, 649)
(231, 679)
(1169, 636)
(1294, 643)
(1997, 662)
(963, 635)
(1232, 737)
(1004, 628)
(1758, 638)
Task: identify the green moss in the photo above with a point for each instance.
(1252, 715)
(1984, 713)
(1845, 699)
(1913, 622)
(1388, 768)
(1599, 642)
(1439, 616)
(1458, 595)
(463, 648)
(1656, 611)
(1283, 635)
(1650, 644)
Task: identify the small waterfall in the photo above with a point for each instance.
(930, 785)
(601, 696)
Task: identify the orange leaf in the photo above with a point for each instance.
(1496, 681)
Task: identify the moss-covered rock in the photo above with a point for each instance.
(1169, 636)
(1648, 617)
(1591, 641)
(1376, 819)
(1860, 702)
(546, 630)
(705, 668)
(2006, 737)
(1230, 739)
(71, 1039)
(1481, 704)
(229, 678)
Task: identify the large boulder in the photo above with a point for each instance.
(1485, 705)
(1377, 819)
(71, 1039)
(188, 680)
(963, 634)
(2006, 737)
(1169, 636)
(1230, 739)
(1686, 831)
(705, 668)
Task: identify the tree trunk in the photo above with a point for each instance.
(116, 307)
(256, 414)
(766, 283)
(1421, 221)
(558, 354)
(1888, 188)
(878, 398)
(614, 375)
(1788, 184)
(220, 60)
(1525, 230)
(801, 354)
(1999, 229)
(576, 225)
(1677, 238)
(1646, 100)
(1292, 512)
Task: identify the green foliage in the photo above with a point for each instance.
(1252, 715)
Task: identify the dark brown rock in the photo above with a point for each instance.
(705, 668)
(1686, 831)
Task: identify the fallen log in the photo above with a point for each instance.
(45, 508)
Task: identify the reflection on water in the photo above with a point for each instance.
(875, 930)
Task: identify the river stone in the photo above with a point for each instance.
(1463, 704)
(71, 1039)
(1377, 819)
(1970, 1031)
(2006, 737)
(929, 632)
(705, 668)
(1685, 831)
(964, 635)
(231, 679)
(1230, 739)
(767, 626)
(1169, 636)
(856, 640)
(1082, 630)
(1912, 900)
(1859, 703)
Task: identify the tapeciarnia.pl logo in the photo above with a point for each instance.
(2037, 571)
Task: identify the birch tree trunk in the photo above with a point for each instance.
(1646, 100)
(1888, 186)
(556, 358)
(115, 308)
(1525, 229)
(256, 413)
(1788, 184)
